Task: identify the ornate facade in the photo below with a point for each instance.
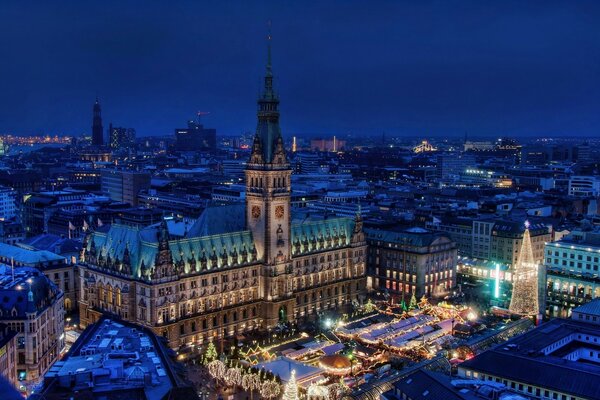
(237, 268)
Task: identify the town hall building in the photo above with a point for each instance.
(238, 267)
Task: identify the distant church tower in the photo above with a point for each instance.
(268, 179)
(97, 131)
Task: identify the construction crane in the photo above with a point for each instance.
(201, 114)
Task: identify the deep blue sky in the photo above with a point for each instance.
(406, 68)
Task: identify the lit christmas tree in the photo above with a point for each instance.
(291, 388)
(524, 300)
(210, 354)
(413, 302)
(369, 306)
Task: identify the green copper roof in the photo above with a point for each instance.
(190, 255)
(313, 236)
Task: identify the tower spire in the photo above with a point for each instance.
(269, 71)
(97, 130)
(268, 137)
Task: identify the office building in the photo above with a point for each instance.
(492, 238)
(8, 207)
(507, 237)
(121, 138)
(39, 207)
(189, 205)
(229, 193)
(195, 138)
(454, 164)
(309, 163)
(11, 232)
(572, 265)
(234, 168)
(584, 186)
(411, 262)
(124, 186)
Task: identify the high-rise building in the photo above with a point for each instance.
(120, 138)
(453, 164)
(195, 138)
(237, 268)
(97, 130)
(124, 186)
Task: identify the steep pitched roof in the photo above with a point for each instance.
(314, 235)
(142, 245)
(216, 220)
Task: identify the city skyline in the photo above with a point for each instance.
(509, 69)
(435, 233)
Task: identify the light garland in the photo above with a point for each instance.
(318, 391)
(233, 376)
(217, 369)
(336, 391)
(250, 382)
(270, 389)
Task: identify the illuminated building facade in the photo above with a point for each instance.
(572, 265)
(238, 267)
(32, 307)
(415, 261)
(8, 354)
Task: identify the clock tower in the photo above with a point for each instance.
(268, 180)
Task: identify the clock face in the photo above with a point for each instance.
(279, 212)
(255, 211)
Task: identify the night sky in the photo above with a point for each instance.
(362, 67)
